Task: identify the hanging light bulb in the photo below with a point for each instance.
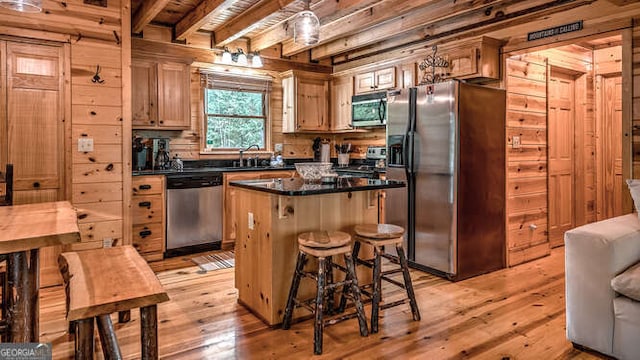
(226, 56)
(241, 57)
(27, 6)
(256, 61)
(306, 27)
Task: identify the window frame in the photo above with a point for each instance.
(239, 86)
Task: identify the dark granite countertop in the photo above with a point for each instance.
(297, 186)
(201, 170)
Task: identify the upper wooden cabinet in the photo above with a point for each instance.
(160, 98)
(380, 79)
(341, 93)
(305, 101)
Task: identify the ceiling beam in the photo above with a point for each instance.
(147, 11)
(326, 10)
(247, 20)
(447, 34)
(196, 18)
(407, 14)
(431, 24)
(189, 54)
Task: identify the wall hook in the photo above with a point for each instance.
(96, 77)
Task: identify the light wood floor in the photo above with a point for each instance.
(515, 313)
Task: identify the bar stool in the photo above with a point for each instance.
(323, 245)
(379, 235)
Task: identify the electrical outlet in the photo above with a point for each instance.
(277, 147)
(250, 217)
(85, 144)
(107, 242)
(515, 142)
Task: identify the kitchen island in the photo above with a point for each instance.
(271, 213)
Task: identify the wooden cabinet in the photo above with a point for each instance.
(377, 80)
(148, 213)
(341, 93)
(305, 102)
(229, 204)
(160, 98)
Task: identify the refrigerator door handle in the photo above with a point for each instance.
(382, 109)
(408, 152)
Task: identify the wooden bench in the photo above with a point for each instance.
(104, 281)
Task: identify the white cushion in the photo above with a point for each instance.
(628, 283)
(634, 189)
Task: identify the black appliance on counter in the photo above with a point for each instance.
(194, 213)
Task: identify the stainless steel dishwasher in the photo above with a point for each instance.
(194, 213)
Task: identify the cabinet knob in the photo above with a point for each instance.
(152, 122)
(36, 184)
(161, 121)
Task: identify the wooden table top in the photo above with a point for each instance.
(33, 226)
(104, 281)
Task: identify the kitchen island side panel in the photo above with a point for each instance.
(266, 254)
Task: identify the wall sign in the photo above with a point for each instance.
(558, 30)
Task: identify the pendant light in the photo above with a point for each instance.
(306, 27)
(26, 6)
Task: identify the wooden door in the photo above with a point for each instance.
(35, 121)
(561, 113)
(610, 181)
(36, 132)
(173, 96)
(365, 82)
(385, 78)
(144, 94)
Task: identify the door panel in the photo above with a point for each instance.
(561, 112)
(611, 184)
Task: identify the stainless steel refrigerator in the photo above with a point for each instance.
(447, 141)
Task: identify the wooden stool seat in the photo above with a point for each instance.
(324, 239)
(379, 235)
(103, 281)
(379, 231)
(324, 245)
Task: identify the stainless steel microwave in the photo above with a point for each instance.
(369, 109)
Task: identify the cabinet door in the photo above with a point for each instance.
(341, 92)
(365, 82)
(463, 63)
(385, 78)
(312, 109)
(173, 96)
(144, 94)
(288, 105)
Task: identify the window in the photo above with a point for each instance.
(235, 111)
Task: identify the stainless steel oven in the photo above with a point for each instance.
(194, 213)
(369, 109)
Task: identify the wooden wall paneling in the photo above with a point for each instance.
(526, 166)
(94, 232)
(99, 211)
(4, 147)
(630, 60)
(96, 114)
(97, 192)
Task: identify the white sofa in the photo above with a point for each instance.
(599, 318)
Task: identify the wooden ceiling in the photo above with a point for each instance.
(353, 28)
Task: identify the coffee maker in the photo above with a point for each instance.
(160, 159)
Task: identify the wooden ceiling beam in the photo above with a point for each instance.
(431, 25)
(248, 20)
(450, 34)
(188, 54)
(326, 10)
(403, 16)
(196, 18)
(147, 11)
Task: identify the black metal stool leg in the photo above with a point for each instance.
(355, 290)
(319, 324)
(345, 289)
(293, 291)
(377, 290)
(407, 282)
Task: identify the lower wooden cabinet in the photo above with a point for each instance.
(229, 222)
(148, 213)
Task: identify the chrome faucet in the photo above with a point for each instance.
(249, 147)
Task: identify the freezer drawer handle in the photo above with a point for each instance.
(145, 187)
(146, 204)
(145, 233)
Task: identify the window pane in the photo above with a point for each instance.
(223, 132)
(231, 102)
